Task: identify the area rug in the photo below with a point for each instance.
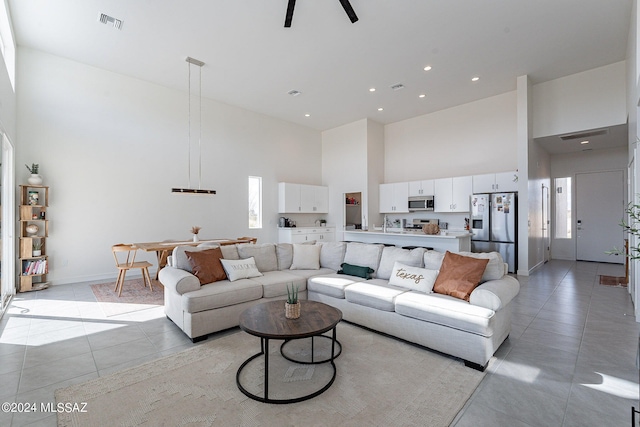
(613, 281)
(135, 297)
(380, 382)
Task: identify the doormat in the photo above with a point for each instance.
(613, 281)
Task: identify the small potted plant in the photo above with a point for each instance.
(292, 306)
(37, 247)
(195, 230)
(34, 179)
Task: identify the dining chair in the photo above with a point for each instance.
(125, 257)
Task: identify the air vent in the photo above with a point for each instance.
(397, 86)
(294, 92)
(110, 20)
(584, 135)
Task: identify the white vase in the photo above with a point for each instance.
(195, 238)
(34, 179)
(37, 252)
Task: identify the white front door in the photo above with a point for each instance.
(599, 211)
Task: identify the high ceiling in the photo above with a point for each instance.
(252, 61)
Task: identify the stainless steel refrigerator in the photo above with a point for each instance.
(494, 226)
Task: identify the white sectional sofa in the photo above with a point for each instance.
(471, 330)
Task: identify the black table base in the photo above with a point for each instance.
(264, 351)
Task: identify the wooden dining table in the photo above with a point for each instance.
(163, 249)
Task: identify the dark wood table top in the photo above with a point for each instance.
(267, 320)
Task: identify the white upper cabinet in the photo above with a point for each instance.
(301, 198)
(394, 198)
(421, 188)
(495, 182)
(452, 194)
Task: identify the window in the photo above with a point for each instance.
(255, 202)
(7, 43)
(563, 208)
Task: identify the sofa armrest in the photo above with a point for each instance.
(180, 281)
(495, 294)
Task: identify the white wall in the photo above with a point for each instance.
(470, 139)
(588, 100)
(111, 147)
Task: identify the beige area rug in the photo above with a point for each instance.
(380, 382)
(135, 297)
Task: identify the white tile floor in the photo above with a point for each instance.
(569, 361)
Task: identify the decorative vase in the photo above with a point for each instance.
(34, 179)
(196, 238)
(37, 252)
(292, 311)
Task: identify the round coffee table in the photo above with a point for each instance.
(267, 321)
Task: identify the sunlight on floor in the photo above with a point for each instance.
(615, 386)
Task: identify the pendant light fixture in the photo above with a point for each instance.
(199, 190)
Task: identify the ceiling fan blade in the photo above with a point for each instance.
(347, 8)
(289, 17)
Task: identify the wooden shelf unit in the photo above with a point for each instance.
(33, 210)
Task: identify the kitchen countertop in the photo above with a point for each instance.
(417, 233)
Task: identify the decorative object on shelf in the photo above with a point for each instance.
(37, 247)
(431, 229)
(33, 197)
(32, 229)
(34, 179)
(292, 305)
(195, 230)
(199, 190)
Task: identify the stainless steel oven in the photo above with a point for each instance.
(421, 203)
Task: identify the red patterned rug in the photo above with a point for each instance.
(135, 297)
(613, 281)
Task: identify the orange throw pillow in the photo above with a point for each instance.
(206, 265)
(459, 275)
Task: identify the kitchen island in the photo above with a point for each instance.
(453, 241)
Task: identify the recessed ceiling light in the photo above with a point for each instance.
(427, 68)
(372, 89)
(307, 115)
(475, 79)
(380, 109)
(584, 142)
(422, 95)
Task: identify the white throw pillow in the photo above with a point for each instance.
(240, 268)
(306, 257)
(415, 278)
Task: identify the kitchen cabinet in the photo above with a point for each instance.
(394, 197)
(421, 188)
(302, 198)
(452, 194)
(306, 234)
(495, 182)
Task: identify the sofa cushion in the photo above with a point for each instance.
(274, 283)
(240, 268)
(179, 257)
(229, 251)
(391, 254)
(447, 311)
(206, 265)
(332, 285)
(356, 270)
(284, 253)
(305, 257)
(264, 255)
(221, 294)
(415, 278)
(375, 293)
(495, 268)
(332, 254)
(459, 275)
(364, 254)
(311, 273)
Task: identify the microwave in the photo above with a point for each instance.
(421, 203)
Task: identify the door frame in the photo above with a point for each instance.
(8, 200)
